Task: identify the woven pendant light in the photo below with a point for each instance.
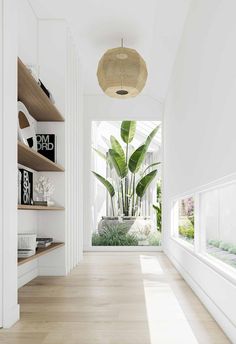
(122, 72)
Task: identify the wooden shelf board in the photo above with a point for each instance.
(38, 207)
(41, 252)
(36, 101)
(32, 159)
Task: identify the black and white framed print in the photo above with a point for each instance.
(46, 145)
(26, 186)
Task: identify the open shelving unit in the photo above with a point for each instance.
(30, 93)
(41, 109)
(36, 161)
(41, 252)
(38, 207)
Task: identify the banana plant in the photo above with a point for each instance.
(128, 165)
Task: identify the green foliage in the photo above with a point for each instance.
(158, 207)
(225, 246)
(154, 239)
(144, 183)
(129, 189)
(150, 166)
(114, 235)
(215, 243)
(127, 131)
(104, 157)
(115, 145)
(187, 231)
(232, 249)
(106, 183)
(137, 158)
(119, 163)
(151, 136)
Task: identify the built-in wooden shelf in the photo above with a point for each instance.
(36, 101)
(32, 159)
(41, 252)
(38, 207)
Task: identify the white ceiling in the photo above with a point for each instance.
(153, 27)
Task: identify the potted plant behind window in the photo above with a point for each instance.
(132, 180)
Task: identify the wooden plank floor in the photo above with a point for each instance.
(113, 298)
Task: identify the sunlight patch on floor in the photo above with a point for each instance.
(166, 320)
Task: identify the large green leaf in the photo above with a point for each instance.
(137, 158)
(151, 136)
(144, 183)
(150, 166)
(106, 183)
(118, 162)
(115, 145)
(127, 130)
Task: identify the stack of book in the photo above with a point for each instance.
(44, 203)
(44, 242)
(25, 252)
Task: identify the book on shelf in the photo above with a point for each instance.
(43, 245)
(44, 203)
(44, 242)
(25, 253)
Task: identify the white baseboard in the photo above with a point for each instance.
(52, 271)
(223, 321)
(11, 317)
(123, 249)
(27, 277)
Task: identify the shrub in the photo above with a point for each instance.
(154, 239)
(215, 243)
(114, 235)
(187, 231)
(225, 246)
(232, 249)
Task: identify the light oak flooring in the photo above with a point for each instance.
(113, 298)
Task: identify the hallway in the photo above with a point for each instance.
(113, 298)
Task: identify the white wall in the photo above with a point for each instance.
(9, 309)
(104, 108)
(27, 33)
(199, 135)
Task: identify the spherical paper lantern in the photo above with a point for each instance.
(122, 73)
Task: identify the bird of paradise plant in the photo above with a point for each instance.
(132, 185)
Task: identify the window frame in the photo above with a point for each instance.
(198, 248)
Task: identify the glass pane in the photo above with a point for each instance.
(186, 219)
(218, 211)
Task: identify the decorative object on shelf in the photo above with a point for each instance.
(46, 91)
(26, 186)
(46, 145)
(26, 245)
(45, 188)
(26, 132)
(122, 72)
(44, 242)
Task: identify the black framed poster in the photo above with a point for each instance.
(26, 186)
(46, 145)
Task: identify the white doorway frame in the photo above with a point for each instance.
(88, 189)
